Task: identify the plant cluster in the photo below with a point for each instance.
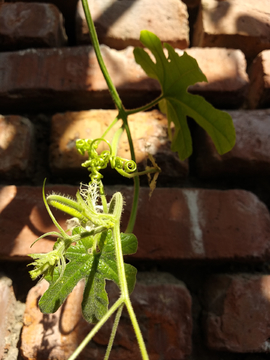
(92, 247)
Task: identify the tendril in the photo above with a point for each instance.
(123, 166)
(97, 162)
(130, 166)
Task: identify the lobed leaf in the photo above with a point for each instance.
(175, 74)
(95, 268)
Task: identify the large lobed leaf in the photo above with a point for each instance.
(175, 74)
(95, 269)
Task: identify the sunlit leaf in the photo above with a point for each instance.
(94, 268)
(175, 74)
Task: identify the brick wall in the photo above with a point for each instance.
(203, 288)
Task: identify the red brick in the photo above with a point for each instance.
(149, 132)
(71, 77)
(201, 224)
(242, 24)
(68, 9)
(163, 306)
(119, 23)
(259, 73)
(24, 25)
(238, 313)
(198, 224)
(251, 153)
(16, 146)
(11, 314)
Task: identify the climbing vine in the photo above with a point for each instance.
(92, 247)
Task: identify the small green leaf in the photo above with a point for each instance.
(175, 74)
(129, 244)
(75, 270)
(95, 268)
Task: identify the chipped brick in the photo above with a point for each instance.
(27, 25)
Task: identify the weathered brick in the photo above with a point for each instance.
(243, 25)
(69, 78)
(238, 313)
(16, 146)
(68, 9)
(251, 153)
(259, 74)
(52, 336)
(148, 129)
(201, 224)
(26, 25)
(163, 307)
(173, 224)
(11, 316)
(119, 23)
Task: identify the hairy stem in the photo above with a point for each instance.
(113, 333)
(125, 293)
(118, 246)
(103, 197)
(136, 329)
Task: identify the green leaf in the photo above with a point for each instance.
(95, 268)
(175, 74)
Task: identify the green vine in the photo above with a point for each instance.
(92, 247)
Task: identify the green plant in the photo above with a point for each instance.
(93, 247)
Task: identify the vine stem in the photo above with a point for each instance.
(109, 128)
(125, 293)
(95, 43)
(123, 114)
(93, 332)
(103, 197)
(122, 275)
(113, 333)
(145, 107)
(118, 103)
(116, 139)
(124, 297)
(136, 180)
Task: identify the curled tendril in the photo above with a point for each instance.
(117, 162)
(123, 166)
(130, 166)
(105, 158)
(97, 162)
(81, 146)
